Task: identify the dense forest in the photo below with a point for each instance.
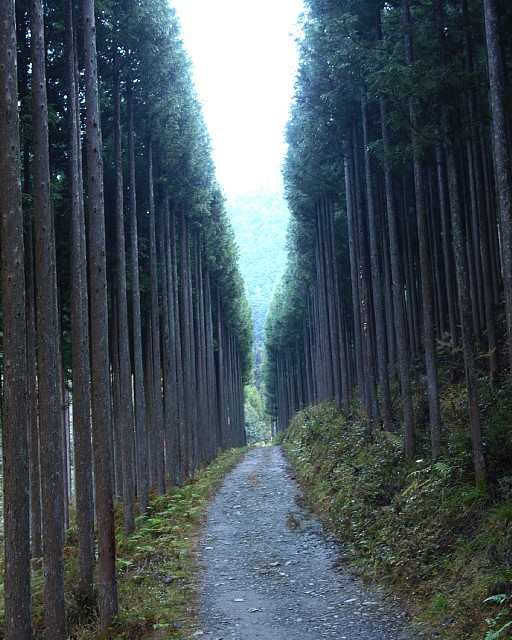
(127, 339)
(389, 338)
(259, 220)
(127, 336)
(398, 179)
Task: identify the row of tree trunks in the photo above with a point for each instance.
(143, 413)
(399, 229)
(428, 259)
(423, 216)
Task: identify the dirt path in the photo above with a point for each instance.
(268, 571)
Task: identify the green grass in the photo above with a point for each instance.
(155, 566)
(424, 530)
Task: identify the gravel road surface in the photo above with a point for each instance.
(269, 571)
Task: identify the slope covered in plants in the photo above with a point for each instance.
(421, 528)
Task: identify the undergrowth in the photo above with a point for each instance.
(155, 566)
(422, 528)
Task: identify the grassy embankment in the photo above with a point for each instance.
(423, 529)
(156, 568)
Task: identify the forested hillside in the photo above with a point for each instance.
(127, 336)
(398, 179)
(396, 303)
(260, 220)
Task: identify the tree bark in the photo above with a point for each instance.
(425, 272)
(52, 481)
(376, 278)
(168, 365)
(180, 382)
(15, 417)
(141, 434)
(80, 330)
(404, 363)
(352, 243)
(465, 310)
(123, 336)
(101, 418)
(501, 155)
(158, 427)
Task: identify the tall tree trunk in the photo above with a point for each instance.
(186, 341)
(117, 436)
(464, 289)
(202, 393)
(326, 226)
(410, 249)
(48, 345)
(79, 329)
(15, 417)
(367, 320)
(404, 363)
(485, 247)
(343, 356)
(354, 278)
(181, 424)
(192, 390)
(123, 336)
(376, 278)
(425, 272)
(324, 341)
(33, 412)
(210, 368)
(465, 311)
(501, 154)
(141, 434)
(447, 251)
(101, 418)
(221, 375)
(158, 427)
(168, 348)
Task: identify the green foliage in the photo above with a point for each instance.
(259, 221)
(503, 620)
(423, 528)
(257, 426)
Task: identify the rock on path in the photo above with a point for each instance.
(268, 570)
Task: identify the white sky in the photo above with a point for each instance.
(244, 59)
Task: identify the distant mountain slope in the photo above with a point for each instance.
(260, 220)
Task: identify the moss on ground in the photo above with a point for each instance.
(421, 528)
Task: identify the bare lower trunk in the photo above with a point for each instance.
(101, 417)
(15, 418)
(52, 480)
(501, 155)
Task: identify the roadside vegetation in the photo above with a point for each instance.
(155, 566)
(257, 423)
(422, 528)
